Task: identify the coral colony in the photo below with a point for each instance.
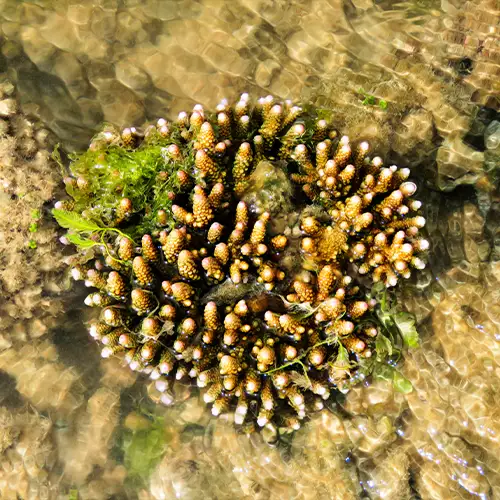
(237, 250)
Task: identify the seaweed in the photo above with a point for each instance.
(107, 173)
(143, 448)
(371, 100)
(84, 233)
(397, 331)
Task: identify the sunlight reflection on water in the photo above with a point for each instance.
(73, 422)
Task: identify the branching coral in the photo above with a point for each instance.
(371, 215)
(170, 228)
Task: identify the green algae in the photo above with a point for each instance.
(118, 173)
(36, 214)
(84, 233)
(397, 331)
(107, 173)
(371, 100)
(398, 324)
(144, 447)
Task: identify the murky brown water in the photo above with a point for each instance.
(74, 426)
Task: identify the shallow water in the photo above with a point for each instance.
(75, 426)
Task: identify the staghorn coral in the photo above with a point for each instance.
(286, 331)
(361, 197)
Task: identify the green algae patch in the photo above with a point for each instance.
(397, 332)
(371, 100)
(143, 448)
(83, 232)
(118, 173)
(399, 324)
(73, 494)
(108, 173)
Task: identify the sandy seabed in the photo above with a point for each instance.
(71, 423)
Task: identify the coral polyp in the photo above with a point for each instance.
(234, 250)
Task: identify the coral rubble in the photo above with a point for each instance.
(30, 278)
(198, 276)
(27, 455)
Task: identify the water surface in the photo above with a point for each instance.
(420, 81)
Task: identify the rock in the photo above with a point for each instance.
(492, 136)
(164, 10)
(100, 74)
(69, 69)
(413, 137)
(38, 50)
(79, 13)
(189, 33)
(157, 65)
(120, 105)
(60, 33)
(227, 59)
(8, 107)
(131, 76)
(103, 24)
(129, 30)
(265, 72)
(458, 163)
(6, 89)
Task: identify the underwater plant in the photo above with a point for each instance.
(239, 250)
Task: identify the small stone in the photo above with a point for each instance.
(120, 105)
(164, 10)
(103, 24)
(4, 128)
(129, 31)
(492, 135)
(136, 422)
(458, 163)
(68, 68)
(8, 107)
(265, 72)
(60, 33)
(158, 67)
(131, 76)
(79, 14)
(6, 89)
(226, 59)
(100, 74)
